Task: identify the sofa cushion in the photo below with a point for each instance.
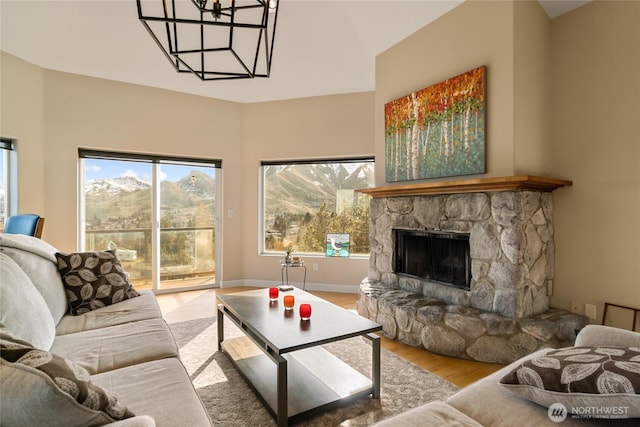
(132, 310)
(161, 389)
(582, 377)
(24, 311)
(113, 347)
(37, 258)
(93, 280)
(42, 388)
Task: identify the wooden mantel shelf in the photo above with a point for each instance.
(507, 183)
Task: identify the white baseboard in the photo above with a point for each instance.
(320, 287)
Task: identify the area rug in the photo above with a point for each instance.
(230, 401)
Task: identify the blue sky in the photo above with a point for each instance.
(100, 169)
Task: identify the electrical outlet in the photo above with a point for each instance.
(576, 307)
(590, 311)
(315, 266)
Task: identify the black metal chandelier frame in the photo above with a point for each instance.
(215, 15)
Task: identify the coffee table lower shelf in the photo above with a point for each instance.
(317, 380)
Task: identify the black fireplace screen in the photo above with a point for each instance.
(439, 257)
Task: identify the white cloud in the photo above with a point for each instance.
(92, 168)
(129, 173)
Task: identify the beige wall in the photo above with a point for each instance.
(563, 101)
(596, 143)
(53, 113)
(532, 41)
(22, 118)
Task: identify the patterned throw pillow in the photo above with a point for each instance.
(602, 380)
(93, 280)
(68, 378)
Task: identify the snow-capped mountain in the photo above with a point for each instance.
(115, 185)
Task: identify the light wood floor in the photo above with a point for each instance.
(198, 304)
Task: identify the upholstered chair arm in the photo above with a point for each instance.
(595, 335)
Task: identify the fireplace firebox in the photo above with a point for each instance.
(437, 256)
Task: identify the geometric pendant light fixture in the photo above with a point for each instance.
(212, 40)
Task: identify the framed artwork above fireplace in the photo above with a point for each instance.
(438, 131)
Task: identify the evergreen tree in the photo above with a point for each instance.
(354, 221)
(314, 236)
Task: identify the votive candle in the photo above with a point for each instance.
(305, 311)
(273, 294)
(289, 300)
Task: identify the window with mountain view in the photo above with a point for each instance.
(7, 158)
(305, 200)
(166, 241)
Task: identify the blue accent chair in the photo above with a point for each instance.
(29, 224)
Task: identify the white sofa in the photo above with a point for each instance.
(488, 403)
(126, 348)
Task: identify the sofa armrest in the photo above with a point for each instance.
(430, 414)
(139, 421)
(594, 335)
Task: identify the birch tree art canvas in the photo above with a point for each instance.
(438, 131)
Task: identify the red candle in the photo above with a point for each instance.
(273, 294)
(305, 311)
(289, 300)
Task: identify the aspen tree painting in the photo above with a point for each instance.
(438, 131)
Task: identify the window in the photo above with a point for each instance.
(8, 181)
(158, 213)
(303, 201)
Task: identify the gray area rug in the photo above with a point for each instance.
(230, 401)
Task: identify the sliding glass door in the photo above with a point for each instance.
(159, 214)
(187, 226)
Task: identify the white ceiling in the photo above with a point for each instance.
(322, 47)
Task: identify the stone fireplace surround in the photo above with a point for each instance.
(506, 313)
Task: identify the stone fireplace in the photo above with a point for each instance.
(511, 242)
(504, 312)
